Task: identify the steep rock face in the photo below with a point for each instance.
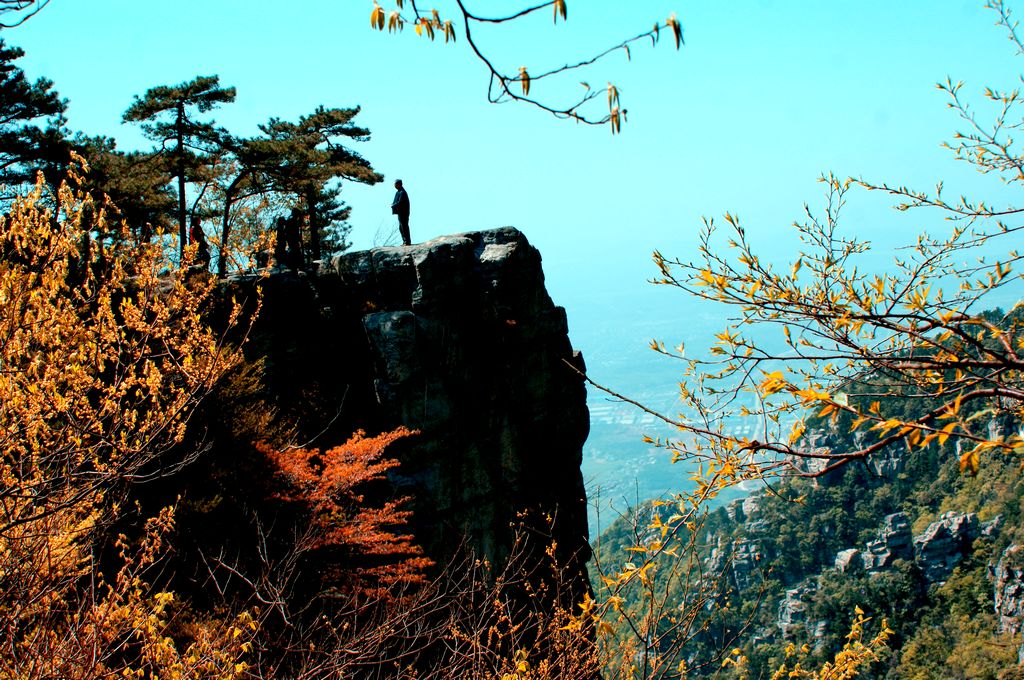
(944, 543)
(746, 564)
(737, 562)
(792, 619)
(1009, 592)
(456, 338)
(469, 348)
(850, 559)
(893, 542)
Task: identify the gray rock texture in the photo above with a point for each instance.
(746, 564)
(1009, 590)
(944, 543)
(792, 619)
(893, 542)
(734, 510)
(849, 560)
(1009, 593)
(888, 462)
(737, 565)
(458, 339)
(750, 505)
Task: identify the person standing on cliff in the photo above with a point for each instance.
(400, 207)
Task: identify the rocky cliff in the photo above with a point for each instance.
(458, 339)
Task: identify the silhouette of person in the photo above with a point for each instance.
(197, 236)
(400, 207)
(293, 238)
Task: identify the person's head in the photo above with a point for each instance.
(398, 184)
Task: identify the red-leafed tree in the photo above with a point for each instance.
(370, 547)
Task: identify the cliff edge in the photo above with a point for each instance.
(456, 338)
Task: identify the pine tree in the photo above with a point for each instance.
(167, 114)
(31, 122)
(137, 183)
(303, 160)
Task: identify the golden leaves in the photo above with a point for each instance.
(810, 395)
(677, 30)
(969, 461)
(395, 22)
(773, 383)
(616, 115)
(856, 656)
(616, 118)
(946, 431)
(118, 358)
(449, 30)
(559, 10)
(425, 26)
(578, 108)
(798, 431)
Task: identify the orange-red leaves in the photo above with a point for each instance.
(331, 484)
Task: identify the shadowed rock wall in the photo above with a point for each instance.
(457, 338)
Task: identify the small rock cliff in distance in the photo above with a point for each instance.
(456, 338)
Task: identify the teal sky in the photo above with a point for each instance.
(764, 97)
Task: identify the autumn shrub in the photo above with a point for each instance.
(372, 550)
(105, 356)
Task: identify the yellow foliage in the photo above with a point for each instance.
(852, 661)
(105, 356)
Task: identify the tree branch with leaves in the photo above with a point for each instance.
(514, 84)
(105, 357)
(833, 341)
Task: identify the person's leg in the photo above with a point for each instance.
(403, 229)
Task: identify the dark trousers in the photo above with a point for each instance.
(403, 229)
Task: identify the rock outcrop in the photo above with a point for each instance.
(736, 564)
(888, 463)
(746, 564)
(893, 542)
(1009, 592)
(936, 551)
(849, 560)
(944, 543)
(792, 617)
(456, 338)
(734, 511)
